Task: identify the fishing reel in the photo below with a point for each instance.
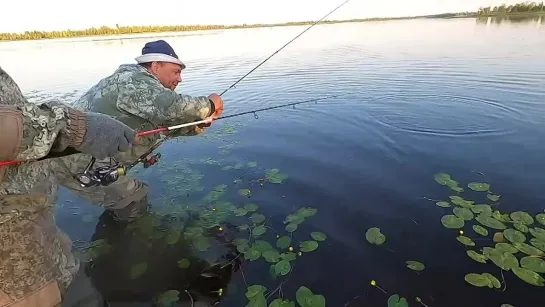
(104, 175)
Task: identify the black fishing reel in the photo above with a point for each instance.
(104, 175)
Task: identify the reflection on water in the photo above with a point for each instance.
(430, 96)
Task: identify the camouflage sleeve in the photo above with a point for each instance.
(147, 98)
(41, 129)
(30, 131)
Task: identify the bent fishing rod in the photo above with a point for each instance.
(71, 151)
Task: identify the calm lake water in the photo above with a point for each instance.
(421, 97)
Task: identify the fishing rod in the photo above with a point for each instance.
(206, 121)
(315, 23)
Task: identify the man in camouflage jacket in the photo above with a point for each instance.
(36, 263)
(142, 96)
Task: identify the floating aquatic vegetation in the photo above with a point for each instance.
(251, 164)
(514, 250)
(397, 301)
(476, 256)
(415, 265)
(483, 280)
(480, 230)
(444, 179)
(444, 204)
(452, 221)
(209, 161)
(245, 192)
(374, 236)
(138, 270)
(478, 186)
(184, 263)
(274, 176)
(168, 298)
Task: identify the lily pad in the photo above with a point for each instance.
(452, 221)
(478, 186)
(459, 201)
(318, 236)
(138, 270)
(465, 240)
(257, 218)
(476, 256)
(443, 178)
(533, 264)
(291, 227)
(490, 222)
(254, 291)
(252, 164)
(506, 248)
(528, 276)
(415, 265)
(443, 204)
(493, 197)
(494, 282)
(505, 261)
(271, 256)
(514, 236)
(288, 256)
(283, 267)
(252, 254)
(501, 217)
(397, 301)
(521, 227)
(477, 280)
(463, 213)
(307, 211)
(173, 237)
(528, 249)
(251, 207)
(167, 298)
(308, 246)
(274, 176)
(538, 243)
(538, 233)
(184, 263)
(282, 303)
(258, 231)
(240, 212)
(374, 236)
(283, 242)
(540, 218)
(483, 209)
(480, 230)
(523, 217)
(245, 192)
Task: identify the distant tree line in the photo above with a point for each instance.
(526, 7)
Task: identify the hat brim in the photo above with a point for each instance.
(159, 57)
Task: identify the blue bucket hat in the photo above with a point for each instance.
(159, 51)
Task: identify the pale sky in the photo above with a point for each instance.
(20, 16)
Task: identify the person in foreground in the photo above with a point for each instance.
(142, 96)
(37, 265)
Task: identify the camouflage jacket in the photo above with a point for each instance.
(135, 97)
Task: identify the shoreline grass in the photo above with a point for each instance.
(128, 30)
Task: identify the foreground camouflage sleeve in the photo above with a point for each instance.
(146, 97)
(45, 129)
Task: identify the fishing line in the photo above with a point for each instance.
(315, 23)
